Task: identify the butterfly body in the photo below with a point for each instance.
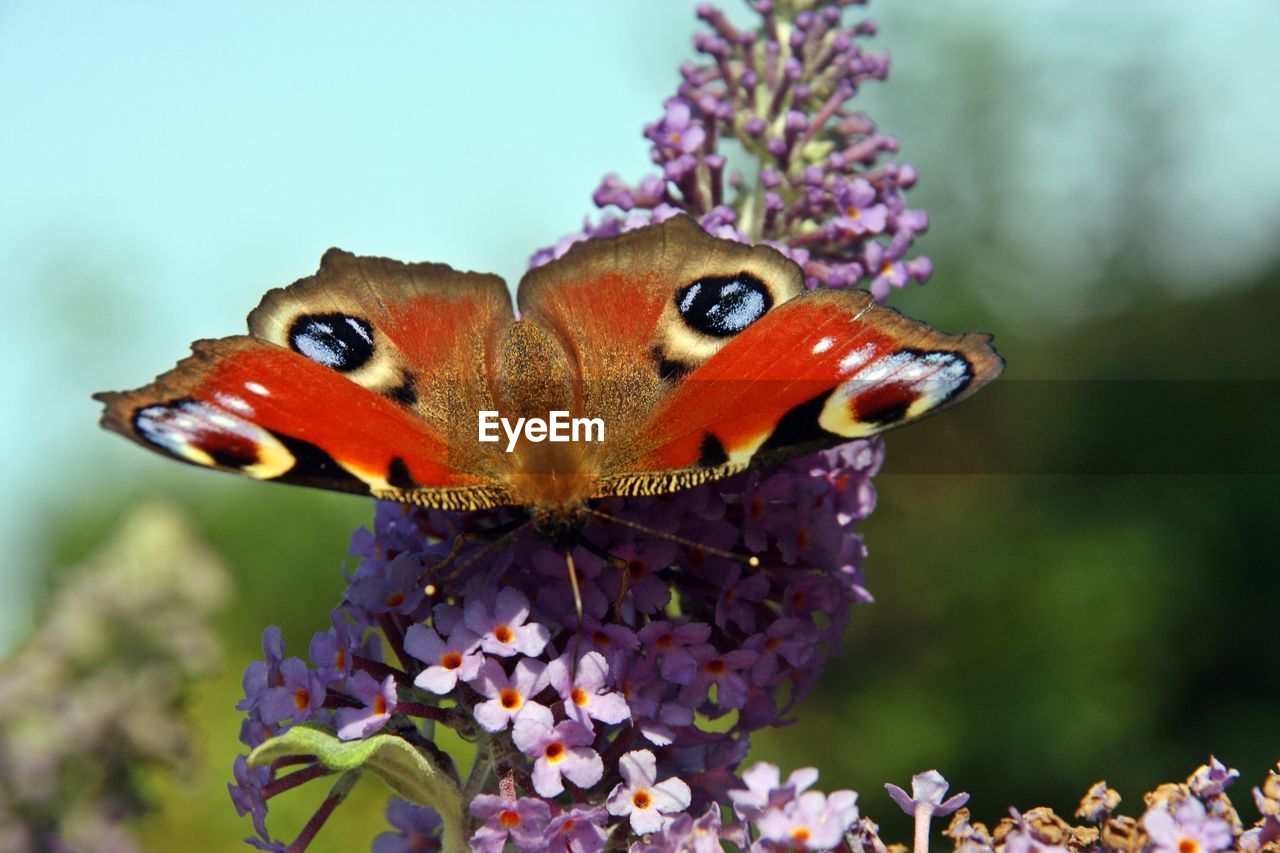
(698, 357)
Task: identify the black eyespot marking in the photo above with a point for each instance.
(669, 370)
(407, 392)
(711, 452)
(722, 306)
(398, 475)
(339, 341)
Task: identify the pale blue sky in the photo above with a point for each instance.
(164, 164)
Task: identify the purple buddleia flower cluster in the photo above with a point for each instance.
(625, 721)
(778, 93)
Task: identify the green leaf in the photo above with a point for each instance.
(409, 771)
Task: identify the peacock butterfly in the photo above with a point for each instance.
(699, 357)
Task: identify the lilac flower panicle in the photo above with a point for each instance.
(820, 193)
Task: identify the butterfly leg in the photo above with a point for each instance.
(577, 606)
(617, 562)
(495, 538)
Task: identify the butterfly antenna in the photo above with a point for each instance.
(747, 560)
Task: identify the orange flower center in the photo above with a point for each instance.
(635, 569)
(503, 634)
(508, 818)
(340, 659)
(395, 599)
(554, 751)
(715, 667)
(665, 642)
(600, 638)
(1188, 845)
(510, 699)
(301, 698)
(379, 704)
(852, 212)
(641, 800)
(579, 697)
(451, 660)
(800, 834)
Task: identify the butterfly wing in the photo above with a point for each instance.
(612, 306)
(364, 378)
(728, 361)
(820, 370)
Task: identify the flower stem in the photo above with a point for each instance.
(337, 794)
(293, 780)
(923, 816)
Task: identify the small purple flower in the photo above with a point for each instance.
(263, 674)
(676, 131)
(391, 587)
(246, 793)
(765, 789)
(417, 829)
(579, 830)
(927, 790)
(858, 212)
(646, 802)
(1212, 778)
(559, 751)
(523, 821)
(300, 694)
(612, 641)
(789, 640)
(669, 643)
(687, 835)
(813, 821)
(739, 597)
(450, 661)
(379, 704)
(886, 268)
(724, 670)
(503, 630)
(584, 690)
(508, 696)
(645, 591)
(1189, 829)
